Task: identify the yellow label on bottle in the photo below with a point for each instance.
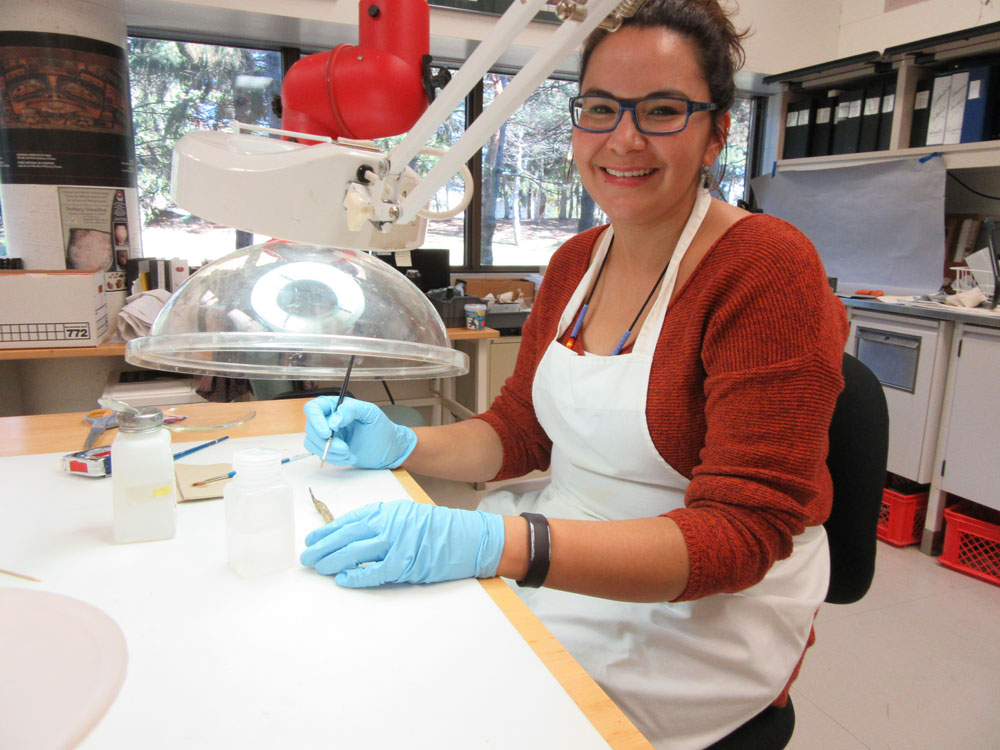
(147, 493)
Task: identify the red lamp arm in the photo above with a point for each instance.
(371, 90)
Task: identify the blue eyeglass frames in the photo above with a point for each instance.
(652, 115)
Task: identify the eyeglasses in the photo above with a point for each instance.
(652, 115)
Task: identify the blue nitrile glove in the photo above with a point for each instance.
(365, 436)
(406, 542)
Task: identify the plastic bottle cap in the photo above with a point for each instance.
(142, 420)
(256, 462)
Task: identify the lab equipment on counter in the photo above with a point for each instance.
(285, 309)
(260, 520)
(145, 506)
(275, 310)
(348, 193)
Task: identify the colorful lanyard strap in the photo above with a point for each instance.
(586, 303)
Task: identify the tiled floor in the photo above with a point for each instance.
(915, 665)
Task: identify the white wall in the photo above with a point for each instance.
(864, 26)
(789, 34)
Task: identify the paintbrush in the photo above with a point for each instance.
(36, 580)
(340, 400)
(232, 474)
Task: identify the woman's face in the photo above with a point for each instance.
(637, 178)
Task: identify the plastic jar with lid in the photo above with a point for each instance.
(260, 519)
(142, 478)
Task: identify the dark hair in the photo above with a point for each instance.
(708, 27)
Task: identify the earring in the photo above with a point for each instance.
(707, 178)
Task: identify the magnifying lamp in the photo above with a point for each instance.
(301, 308)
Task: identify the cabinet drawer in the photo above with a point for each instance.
(893, 357)
(910, 358)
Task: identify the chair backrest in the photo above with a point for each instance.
(859, 451)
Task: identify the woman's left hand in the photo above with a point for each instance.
(406, 542)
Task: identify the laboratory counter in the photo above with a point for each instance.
(285, 660)
(928, 310)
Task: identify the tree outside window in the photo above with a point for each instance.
(532, 197)
(181, 86)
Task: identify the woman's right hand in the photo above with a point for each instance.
(363, 435)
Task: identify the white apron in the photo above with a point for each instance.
(685, 673)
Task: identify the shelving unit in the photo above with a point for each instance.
(910, 63)
(979, 155)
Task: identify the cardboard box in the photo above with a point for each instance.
(51, 309)
(498, 285)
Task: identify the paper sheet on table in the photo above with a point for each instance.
(188, 474)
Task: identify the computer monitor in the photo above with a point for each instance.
(433, 264)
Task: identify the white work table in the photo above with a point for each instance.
(292, 659)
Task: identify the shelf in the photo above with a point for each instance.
(107, 349)
(854, 66)
(956, 156)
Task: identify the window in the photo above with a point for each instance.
(448, 234)
(529, 197)
(532, 198)
(180, 86)
(735, 163)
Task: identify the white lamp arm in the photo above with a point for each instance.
(579, 19)
(347, 194)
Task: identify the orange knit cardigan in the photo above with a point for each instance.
(744, 380)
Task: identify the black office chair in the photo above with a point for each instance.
(859, 451)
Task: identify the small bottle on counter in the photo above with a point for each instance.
(260, 522)
(142, 478)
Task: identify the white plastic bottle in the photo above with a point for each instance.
(142, 478)
(260, 521)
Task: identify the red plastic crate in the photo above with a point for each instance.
(901, 521)
(972, 541)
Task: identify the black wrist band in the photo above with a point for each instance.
(538, 550)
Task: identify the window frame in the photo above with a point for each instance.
(472, 230)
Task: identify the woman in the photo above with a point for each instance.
(678, 370)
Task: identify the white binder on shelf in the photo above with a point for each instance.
(957, 91)
(940, 98)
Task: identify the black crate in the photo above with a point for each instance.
(452, 311)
